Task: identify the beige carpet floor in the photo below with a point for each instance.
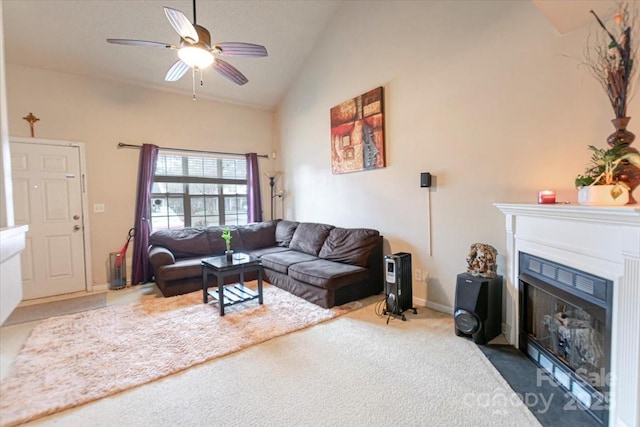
(352, 371)
(71, 360)
(30, 313)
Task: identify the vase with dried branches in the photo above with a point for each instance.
(610, 58)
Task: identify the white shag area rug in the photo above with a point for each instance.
(71, 360)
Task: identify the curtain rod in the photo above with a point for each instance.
(123, 145)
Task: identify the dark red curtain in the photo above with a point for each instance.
(141, 269)
(254, 199)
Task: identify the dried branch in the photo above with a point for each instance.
(609, 58)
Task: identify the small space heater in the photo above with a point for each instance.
(397, 284)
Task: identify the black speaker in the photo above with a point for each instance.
(425, 179)
(478, 307)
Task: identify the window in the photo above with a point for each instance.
(198, 191)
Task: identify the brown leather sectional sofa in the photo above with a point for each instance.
(323, 264)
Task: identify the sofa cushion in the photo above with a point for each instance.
(309, 237)
(185, 242)
(263, 251)
(280, 261)
(217, 243)
(350, 246)
(284, 232)
(258, 235)
(327, 274)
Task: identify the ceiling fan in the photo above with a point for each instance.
(196, 52)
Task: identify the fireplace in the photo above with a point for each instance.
(577, 266)
(565, 328)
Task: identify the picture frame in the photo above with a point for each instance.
(357, 133)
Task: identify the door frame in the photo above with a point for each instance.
(84, 196)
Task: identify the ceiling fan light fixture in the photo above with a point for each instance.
(195, 56)
(195, 50)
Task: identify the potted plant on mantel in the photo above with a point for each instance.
(601, 183)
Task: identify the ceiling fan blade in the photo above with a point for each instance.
(240, 49)
(181, 24)
(141, 43)
(229, 71)
(177, 70)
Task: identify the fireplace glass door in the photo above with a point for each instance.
(565, 328)
(576, 336)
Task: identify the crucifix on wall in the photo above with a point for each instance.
(32, 121)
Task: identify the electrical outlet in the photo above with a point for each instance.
(98, 207)
(418, 275)
(425, 276)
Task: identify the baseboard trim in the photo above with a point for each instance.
(439, 307)
(420, 302)
(100, 288)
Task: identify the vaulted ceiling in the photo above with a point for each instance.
(69, 36)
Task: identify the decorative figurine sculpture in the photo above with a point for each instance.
(481, 260)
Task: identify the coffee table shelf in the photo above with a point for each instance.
(234, 294)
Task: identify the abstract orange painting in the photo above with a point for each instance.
(357, 133)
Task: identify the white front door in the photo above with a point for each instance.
(47, 193)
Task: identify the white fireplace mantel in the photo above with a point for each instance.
(603, 241)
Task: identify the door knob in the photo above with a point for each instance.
(76, 227)
(76, 217)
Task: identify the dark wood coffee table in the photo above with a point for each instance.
(232, 294)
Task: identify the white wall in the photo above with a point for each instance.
(485, 95)
(12, 239)
(103, 113)
(6, 187)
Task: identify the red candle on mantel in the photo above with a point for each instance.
(546, 197)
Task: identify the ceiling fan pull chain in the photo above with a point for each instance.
(193, 82)
(201, 78)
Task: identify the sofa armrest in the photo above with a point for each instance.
(159, 256)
